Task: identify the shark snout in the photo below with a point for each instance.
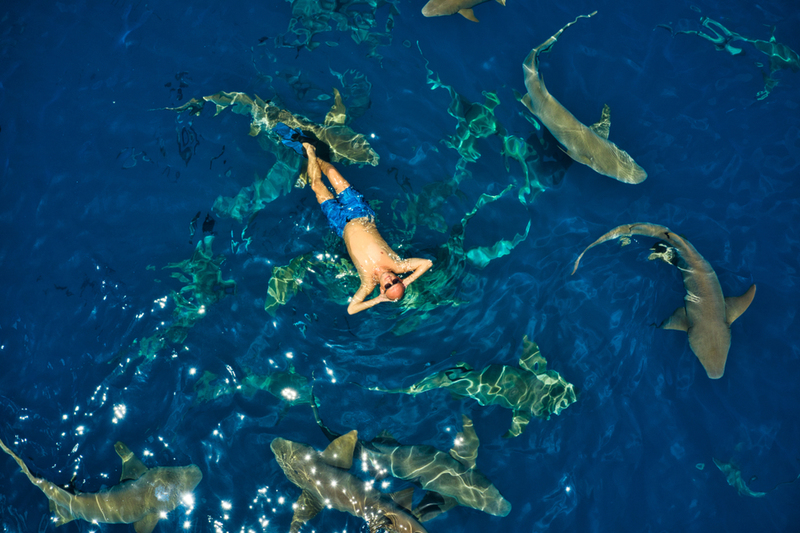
(193, 477)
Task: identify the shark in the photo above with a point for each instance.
(438, 8)
(326, 482)
(452, 475)
(530, 390)
(587, 145)
(143, 496)
(706, 315)
(344, 144)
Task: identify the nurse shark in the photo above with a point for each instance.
(325, 481)
(587, 145)
(143, 496)
(452, 475)
(529, 391)
(707, 314)
(438, 8)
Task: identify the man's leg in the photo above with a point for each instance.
(315, 175)
(336, 179)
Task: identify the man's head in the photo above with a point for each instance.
(392, 286)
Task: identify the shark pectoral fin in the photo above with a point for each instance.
(339, 453)
(305, 508)
(146, 524)
(61, 515)
(676, 321)
(468, 14)
(532, 359)
(132, 467)
(736, 305)
(403, 498)
(580, 158)
(603, 127)
(465, 450)
(518, 424)
(432, 505)
(526, 101)
(384, 437)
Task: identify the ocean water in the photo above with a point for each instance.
(136, 289)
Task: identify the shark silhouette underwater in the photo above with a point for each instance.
(531, 390)
(438, 8)
(587, 145)
(707, 314)
(450, 477)
(143, 496)
(326, 482)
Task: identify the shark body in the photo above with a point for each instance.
(438, 8)
(707, 314)
(142, 497)
(587, 145)
(452, 475)
(530, 390)
(326, 482)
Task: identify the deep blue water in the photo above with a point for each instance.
(100, 186)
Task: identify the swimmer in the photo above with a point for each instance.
(354, 220)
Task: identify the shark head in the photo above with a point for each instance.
(190, 476)
(292, 458)
(618, 164)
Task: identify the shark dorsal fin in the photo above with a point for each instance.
(604, 126)
(132, 467)
(532, 359)
(146, 524)
(339, 453)
(403, 498)
(305, 508)
(338, 112)
(736, 305)
(465, 449)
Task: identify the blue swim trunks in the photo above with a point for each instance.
(348, 205)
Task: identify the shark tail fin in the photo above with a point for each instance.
(736, 305)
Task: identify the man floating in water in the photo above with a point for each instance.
(354, 220)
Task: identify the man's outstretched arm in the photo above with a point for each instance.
(358, 304)
(417, 267)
